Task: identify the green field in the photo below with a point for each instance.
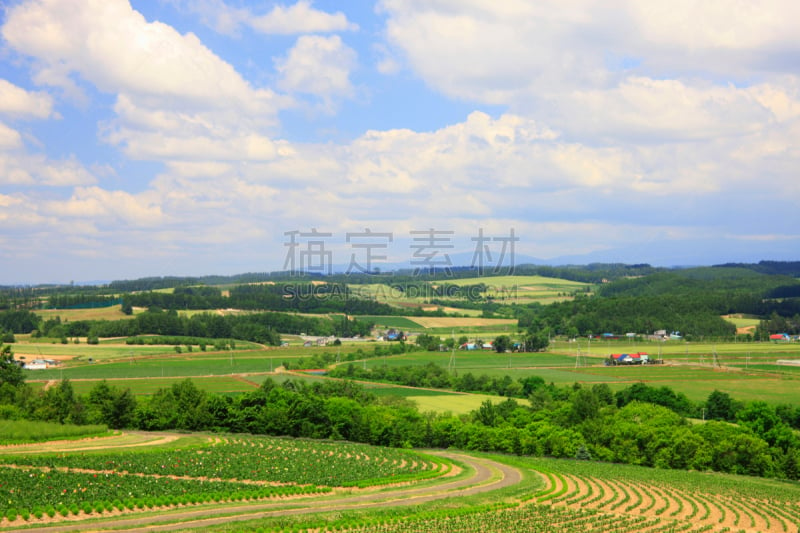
(429, 400)
(20, 431)
(105, 351)
(477, 359)
(85, 351)
(747, 371)
(207, 365)
(150, 385)
(399, 322)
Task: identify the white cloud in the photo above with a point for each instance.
(9, 138)
(112, 46)
(166, 146)
(17, 168)
(475, 47)
(301, 17)
(169, 85)
(17, 101)
(642, 109)
(319, 66)
(619, 124)
(715, 24)
(142, 210)
(667, 70)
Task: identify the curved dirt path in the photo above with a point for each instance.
(488, 476)
(142, 438)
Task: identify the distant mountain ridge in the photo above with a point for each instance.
(523, 265)
(782, 268)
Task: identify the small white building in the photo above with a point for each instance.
(40, 364)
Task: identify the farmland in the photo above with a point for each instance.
(113, 312)
(745, 370)
(526, 289)
(508, 289)
(564, 401)
(234, 483)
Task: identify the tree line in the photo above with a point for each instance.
(584, 316)
(303, 297)
(579, 421)
(262, 328)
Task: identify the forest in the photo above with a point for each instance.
(691, 301)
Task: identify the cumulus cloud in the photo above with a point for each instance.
(99, 204)
(17, 101)
(318, 66)
(9, 137)
(301, 17)
(20, 168)
(113, 47)
(617, 123)
(618, 68)
(166, 83)
(646, 109)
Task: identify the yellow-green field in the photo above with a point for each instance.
(457, 404)
(526, 289)
(71, 315)
(463, 322)
(83, 351)
(509, 289)
(743, 323)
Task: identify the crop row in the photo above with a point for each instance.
(260, 459)
(32, 490)
(694, 482)
(497, 519)
(681, 508)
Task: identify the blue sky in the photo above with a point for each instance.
(178, 137)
